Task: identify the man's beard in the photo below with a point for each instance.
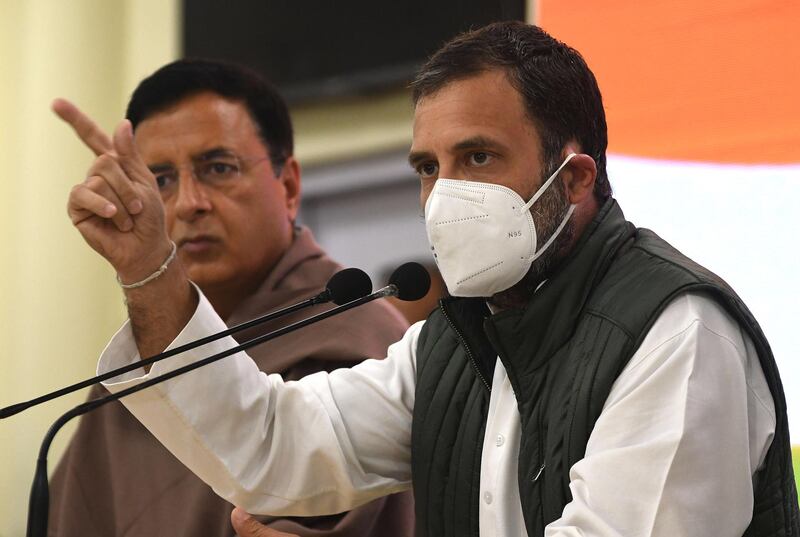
(547, 212)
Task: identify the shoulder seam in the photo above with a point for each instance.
(605, 317)
(667, 262)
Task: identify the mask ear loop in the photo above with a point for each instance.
(547, 183)
(555, 234)
(538, 194)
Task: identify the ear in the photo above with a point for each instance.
(290, 178)
(579, 176)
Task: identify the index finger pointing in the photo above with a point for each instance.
(86, 129)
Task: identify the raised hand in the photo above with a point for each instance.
(118, 209)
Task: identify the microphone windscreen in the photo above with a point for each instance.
(348, 285)
(412, 281)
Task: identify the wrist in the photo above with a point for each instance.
(160, 309)
(148, 268)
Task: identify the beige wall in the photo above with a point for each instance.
(353, 128)
(59, 301)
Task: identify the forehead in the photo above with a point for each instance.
(197, 124)
(486, 104)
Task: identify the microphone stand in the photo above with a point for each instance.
(39, 505)
(322, 298)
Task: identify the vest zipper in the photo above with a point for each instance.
(539, 473)
(466, 348)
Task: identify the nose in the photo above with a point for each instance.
(192, 200)
(454, 169)
(447, 169)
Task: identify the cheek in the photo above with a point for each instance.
(523, 182)
(425, 189)
(269, 207)
(169, 217)
(258, 225)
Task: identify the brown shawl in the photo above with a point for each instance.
(116, 479)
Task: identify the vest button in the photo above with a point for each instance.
(487, 497)
(500, 440)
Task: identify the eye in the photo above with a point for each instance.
(218, 170)
(479, 158)
(165, 179)
(428, 169)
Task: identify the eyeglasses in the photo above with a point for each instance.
(216, 169)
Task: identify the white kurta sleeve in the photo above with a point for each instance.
(321, 445)
(680, 437)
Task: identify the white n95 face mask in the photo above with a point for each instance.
(482, 235)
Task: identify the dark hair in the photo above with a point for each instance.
(560, 92)
(184, 78)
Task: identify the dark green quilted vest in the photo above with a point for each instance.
(562, 353)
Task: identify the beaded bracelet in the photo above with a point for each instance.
(154, 275)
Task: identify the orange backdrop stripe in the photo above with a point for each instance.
(688, 80)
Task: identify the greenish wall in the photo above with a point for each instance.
(796, 464)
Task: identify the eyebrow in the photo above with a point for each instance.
(478, 142)
(415, 158)
(205, 155)
(474, 142)
(215, 152)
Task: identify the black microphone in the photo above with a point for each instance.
(344, 286)
(410, 281)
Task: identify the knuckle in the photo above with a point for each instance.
(94, 183)
(104, 161)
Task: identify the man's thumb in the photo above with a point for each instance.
(247, 526)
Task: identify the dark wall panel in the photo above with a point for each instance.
(316, 49)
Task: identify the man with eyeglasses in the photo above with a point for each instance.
(218, 140)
